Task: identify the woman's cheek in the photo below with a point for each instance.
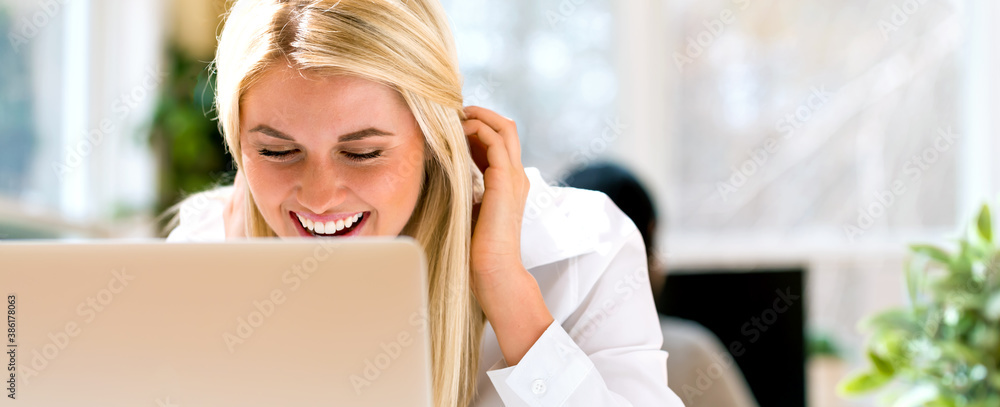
(403, 172)
(402, 187)
(267, 184)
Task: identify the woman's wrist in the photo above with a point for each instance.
(516, 309)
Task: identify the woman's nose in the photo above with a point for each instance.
(320, 189)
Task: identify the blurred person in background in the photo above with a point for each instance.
(693, 350)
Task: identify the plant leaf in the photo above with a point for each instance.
(933, 252)
(984, 224)
(881, 365)
(891, 319)
(861, 383)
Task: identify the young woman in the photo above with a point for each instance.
(345, 118)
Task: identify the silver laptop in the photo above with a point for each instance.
(259, 323)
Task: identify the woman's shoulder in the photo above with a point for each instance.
(586, 254)
(199, 217)
(562, 222)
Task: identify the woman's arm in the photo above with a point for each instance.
(608, 352)
(508, 294)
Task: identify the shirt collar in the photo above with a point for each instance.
(548, 231)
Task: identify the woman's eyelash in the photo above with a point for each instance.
(271, 153)
(363, 157)
(351, 156)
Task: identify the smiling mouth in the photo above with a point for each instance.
(342, 227)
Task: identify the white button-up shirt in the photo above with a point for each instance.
(602, 350)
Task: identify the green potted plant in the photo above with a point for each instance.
(191, 152)
(944, 348)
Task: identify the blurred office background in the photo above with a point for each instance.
(800, 143)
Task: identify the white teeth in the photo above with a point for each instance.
(328, 227)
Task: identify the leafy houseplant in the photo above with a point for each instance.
(191, 152)
(944, 348)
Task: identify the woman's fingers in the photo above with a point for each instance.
(506, 128)
(485, 142)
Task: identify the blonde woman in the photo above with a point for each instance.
(345, 118)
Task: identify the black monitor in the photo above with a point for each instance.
(758, 315)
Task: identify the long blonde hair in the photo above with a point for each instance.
(407, 45)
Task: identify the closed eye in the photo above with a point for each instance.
(282, 155)
(275, 154)
(363, 157)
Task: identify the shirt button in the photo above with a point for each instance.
(538, 387)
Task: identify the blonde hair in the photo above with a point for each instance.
(407, 45)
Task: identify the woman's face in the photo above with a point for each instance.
(330, 156)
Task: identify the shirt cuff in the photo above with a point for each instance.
(547, 375)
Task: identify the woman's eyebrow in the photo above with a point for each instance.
(363, 134)
(353, 136)
(269, 131)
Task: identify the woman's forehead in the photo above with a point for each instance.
(290, 91)
(304, 105)
(301, 83)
